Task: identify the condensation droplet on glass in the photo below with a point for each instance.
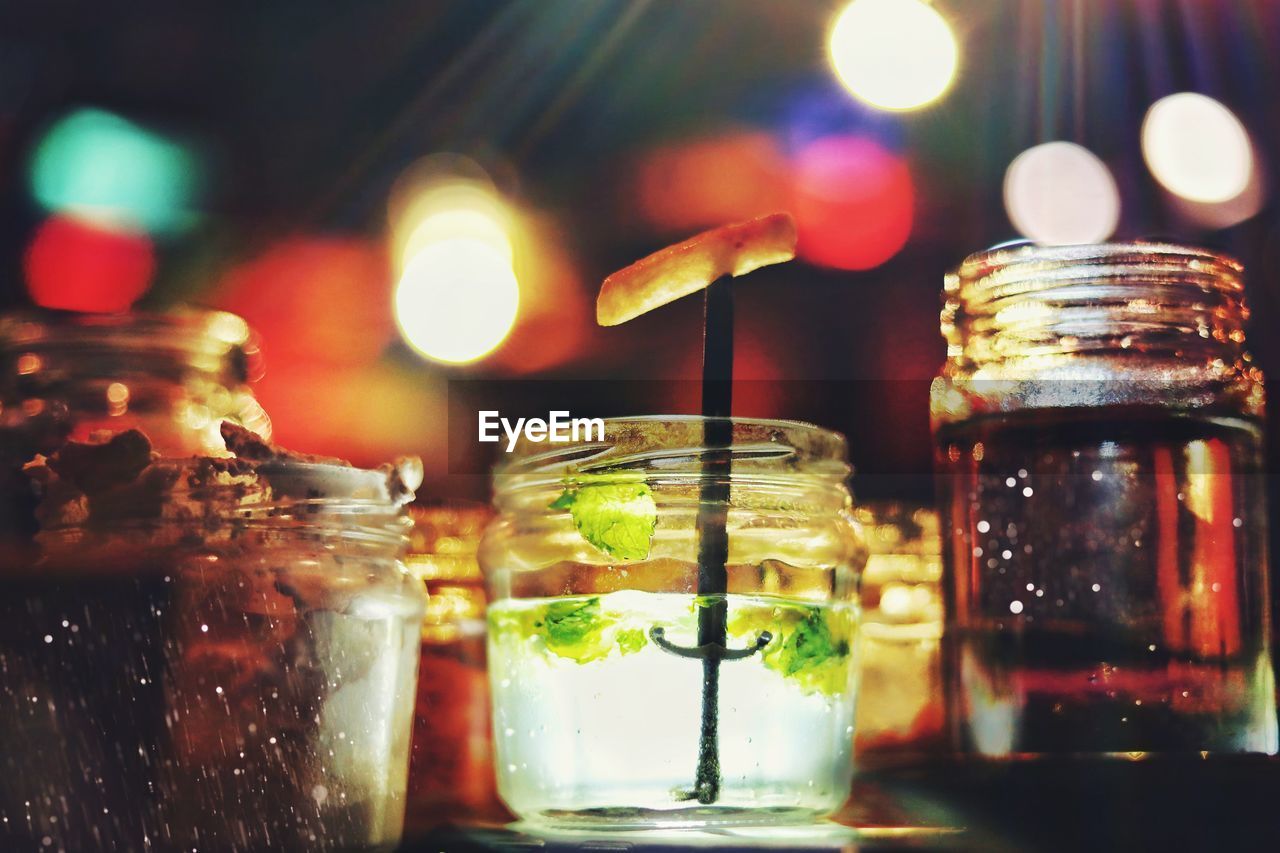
(1015, 607)
(983, 526)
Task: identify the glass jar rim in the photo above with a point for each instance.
(196, 492)
(672, 445)
(204, 337)
(1014, 270)
(1108, 324)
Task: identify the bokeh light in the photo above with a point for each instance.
(1197, 148)
(321, 300)
(893, 54)
(556, 315)
(460, 210)
(457, 299)
(1060, 193)
(366, 414)
(104, 168)
(453, 239)
(1224, 214)
(853, 202)
(77, 266)
(708, 181)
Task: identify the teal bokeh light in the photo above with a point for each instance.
(97, 165)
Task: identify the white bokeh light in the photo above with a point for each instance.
(457, 299)
(1060, 193)
(453, 211)
(893, 54)
(1196, 148)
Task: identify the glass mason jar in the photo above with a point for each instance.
(602, 690)
(193, 663)
(1099, 437)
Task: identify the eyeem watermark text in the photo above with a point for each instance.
(557, 428)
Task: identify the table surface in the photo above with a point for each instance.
(1114, 803)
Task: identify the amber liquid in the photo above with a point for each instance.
(1106, 584)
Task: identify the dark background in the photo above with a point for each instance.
(305, 114)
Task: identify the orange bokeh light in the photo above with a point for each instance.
(710, 181)
(367, 414)
(326, 301)
(74, 266)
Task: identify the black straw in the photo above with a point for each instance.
(713, 539)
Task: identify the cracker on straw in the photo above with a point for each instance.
(688, 267)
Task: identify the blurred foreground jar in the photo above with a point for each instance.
(1099, 431)
(213, 655)
(598, 681)
(175, 376)
(451, 768)
(65, 375)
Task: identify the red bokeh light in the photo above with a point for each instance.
(75, 266)
(853, 202)
(326, 301)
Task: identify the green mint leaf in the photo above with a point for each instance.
(565, 501)
(569, 622)
(810, 645)
(575, 629)
(631, 640)
(617, 518)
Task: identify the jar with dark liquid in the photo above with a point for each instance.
(1103, 505)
